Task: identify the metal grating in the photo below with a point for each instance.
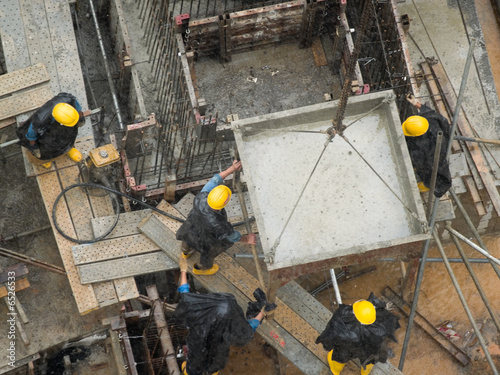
(21, 79)
(12, 36)
(124, 267)
(105, 293)
(113, 248)
(126, 288)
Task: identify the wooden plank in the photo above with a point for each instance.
(24, 101)
(465, 129)
(20, 284)
(125, 267)
(19, 270)
(424, 324)
(23, 78)
(7, 122)
(127, 224)
(318, 52)
(84, 294)
(22, 362)
(113, 248)
(476, 198)
(105, 293)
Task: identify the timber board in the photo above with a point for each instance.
(20, 284)
(24, 101)
(113, 248)
(23, 78)
(125, 267)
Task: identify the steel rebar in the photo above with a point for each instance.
(435, 166)
(335, 286)
(465, 305)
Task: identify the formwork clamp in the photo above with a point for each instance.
(182, 22)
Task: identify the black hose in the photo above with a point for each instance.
(115, 200)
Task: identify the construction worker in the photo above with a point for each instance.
(51, 132)
(206, 229)
(215, 322)
(421, 133)
(359, 331)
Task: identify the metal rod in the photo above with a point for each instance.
(34, 262)
(13, 142)
(479, 140)
(464, 304)
(472, 228)
(335, 287)
(248, 256)
(418, 284)
(439, 260)
(472, 244)
(435, 166)
(476, 282)
(24, 234)
(106, 66)
(460, 96)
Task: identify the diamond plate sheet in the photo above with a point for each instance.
(124, 267)
(21, 79)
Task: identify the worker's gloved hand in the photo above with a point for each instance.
(412, 100)
(260, 296)
(255, 307)
(183, 265)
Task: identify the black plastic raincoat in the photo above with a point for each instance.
(350, 339)
(422, 151)
(215, 322)
(205, 230)
(54, 139)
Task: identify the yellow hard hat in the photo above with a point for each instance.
(415, 126)
(219, 197)
(65, 114)
(364, 311)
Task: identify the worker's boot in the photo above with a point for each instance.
(183, 368)
(186, 250)
(74, 155)
(422, 188)
(367, 370)
(335, 366)
(198, 270)
(47, 165)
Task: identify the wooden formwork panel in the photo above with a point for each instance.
(126, 226)
(125, 267)
(23, 78)
(114, 248)
(84, 294)
(24, 101)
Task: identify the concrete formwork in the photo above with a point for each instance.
(346, 212)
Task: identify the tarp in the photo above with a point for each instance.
(350, 339)
(215, 322)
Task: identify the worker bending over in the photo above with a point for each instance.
(421, 136)
(51, 132)
(206, 229)
(359, 331)
(215, 322)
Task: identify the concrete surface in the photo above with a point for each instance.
(345, 208)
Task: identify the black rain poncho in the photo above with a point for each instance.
(215, 322)
(422, 151)
(54, 139)
(205, 230)
(350, 339)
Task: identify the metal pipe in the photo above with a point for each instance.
(247, 256)
(418, 284)
(464, 304)
(476, 282)
(439, 260)
(472, 244)
(335, 286)
(472, 227)
(24, 234)
(435, 166)
(13, 142)
(479, 140)
(28, 260)
(460, 96)
(106, 66)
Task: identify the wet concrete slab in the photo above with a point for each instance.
(313, 202)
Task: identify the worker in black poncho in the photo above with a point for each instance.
(51, 132)
(206, 229)
(359, 331)
(215, 322)
(421, 133)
